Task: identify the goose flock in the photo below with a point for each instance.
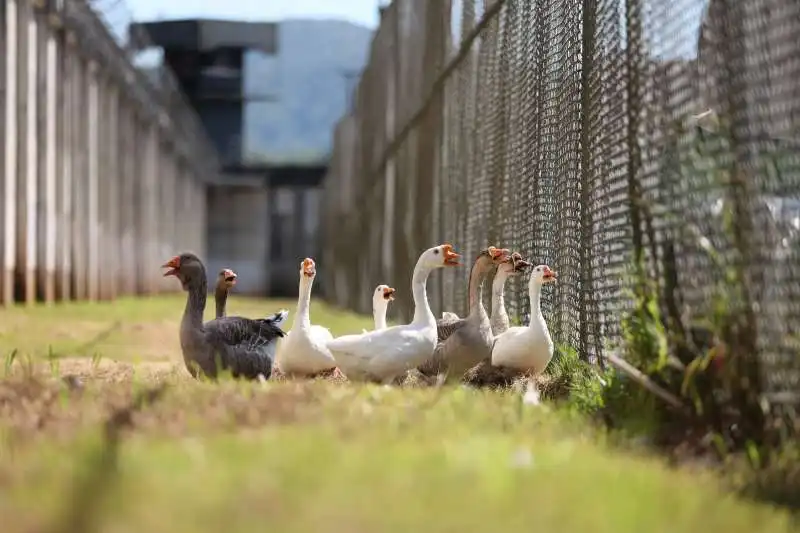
(439, 351)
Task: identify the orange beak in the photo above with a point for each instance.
(450, 257)
(173, 265)
(309, 267)
(550, 274)
(229, 276)
(388, 293)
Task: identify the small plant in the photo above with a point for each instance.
(566, 373)
(53, 362)
(9, 361)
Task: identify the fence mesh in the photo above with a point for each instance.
(596, 136)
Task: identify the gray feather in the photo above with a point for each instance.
(245, 346)
(445, 326)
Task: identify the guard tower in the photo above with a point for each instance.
(207, 59)
(260, 217)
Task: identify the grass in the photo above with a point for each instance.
(307, 456)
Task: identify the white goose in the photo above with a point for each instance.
(385, 354)
(303, 351)
(528, 348)
(380, 303)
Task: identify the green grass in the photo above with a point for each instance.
(133, 329)
(312, 456)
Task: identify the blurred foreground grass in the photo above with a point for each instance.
(311, 456)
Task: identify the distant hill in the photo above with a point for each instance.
(307, 78)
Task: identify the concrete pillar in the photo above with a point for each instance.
(139, 149)
(112, 199)
(92, 195)
(190, 206)
(27, 171)
(161, 187)
(79, 181)
(105, 271)
(127, 153)
(200, 210)
(9, 260)
(170, 219)
(66, 127)
(182, 190)
(148, 210)
(152, 208)
(48, 149)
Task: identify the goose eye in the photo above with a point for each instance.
(436, 251)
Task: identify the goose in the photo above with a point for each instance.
(380, 302)
(528, 349)
(510, 267)
(226, 279)
(304, 352)
(465, 342)
(385, 354)
(242, 345)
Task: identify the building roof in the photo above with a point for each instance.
(205, 34)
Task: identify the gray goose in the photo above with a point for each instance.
(244, 346)
(225, 281)
(465, 342)
(484, 373)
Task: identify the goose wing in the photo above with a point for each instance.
(245, 345)
(447, 325)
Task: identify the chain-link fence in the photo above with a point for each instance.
(591, 135)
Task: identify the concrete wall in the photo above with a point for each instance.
(103, 175)
(238, 233)
(263, 233)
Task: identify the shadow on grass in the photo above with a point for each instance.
(101, 467)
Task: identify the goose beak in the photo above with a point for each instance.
(550, 275)
(521, 264)
(173, 265)
(388, 294)
(450, 257)
(499, 255)
(309, 267)
(229, 276)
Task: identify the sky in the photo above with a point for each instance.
(360, 11)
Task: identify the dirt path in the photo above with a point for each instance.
(118, 371)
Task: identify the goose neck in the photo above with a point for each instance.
(422, 309)
(477, 275)
(498, 289)
(535, 296)
(379, 315)
(195, 303)
(220, 299)
(304, 301)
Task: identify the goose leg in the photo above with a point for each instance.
(441, 379)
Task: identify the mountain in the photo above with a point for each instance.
(308, 78)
